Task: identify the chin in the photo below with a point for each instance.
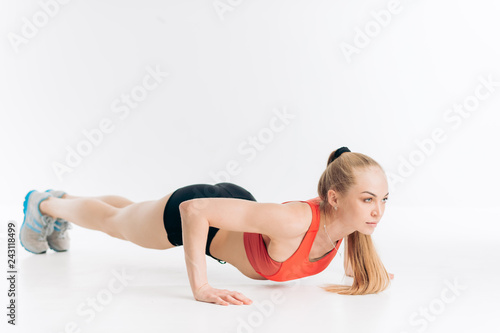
(367, 231)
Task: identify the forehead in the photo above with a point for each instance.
(373, 180)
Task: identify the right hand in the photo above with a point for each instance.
(220, 296)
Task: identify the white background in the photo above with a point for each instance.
(229, 73)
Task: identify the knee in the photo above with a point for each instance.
(111, 224)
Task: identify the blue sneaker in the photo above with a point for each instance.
(59, 239)
(36, 227)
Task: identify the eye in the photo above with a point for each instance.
(384, 199)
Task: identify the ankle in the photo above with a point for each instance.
(44, 206)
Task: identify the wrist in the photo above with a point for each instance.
(198, 289)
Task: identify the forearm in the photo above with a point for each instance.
(194, 237)
(347, 263)
(348, 269)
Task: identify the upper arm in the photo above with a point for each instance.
(234, 214)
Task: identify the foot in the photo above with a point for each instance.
(36, 226)
(59, 239)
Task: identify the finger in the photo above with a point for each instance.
(220, 301)
(242, 298)
(233, 300)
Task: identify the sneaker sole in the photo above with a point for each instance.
(57, 250)
(25, 206)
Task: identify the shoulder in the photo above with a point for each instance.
(300, 217)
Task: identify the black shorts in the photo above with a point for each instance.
(172, 216)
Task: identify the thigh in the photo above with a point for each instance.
(142, 223)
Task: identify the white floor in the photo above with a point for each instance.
(78, 291)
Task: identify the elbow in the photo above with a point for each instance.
(191, 207)
(184, 206)
(188, 205)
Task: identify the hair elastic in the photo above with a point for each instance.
(339, 152)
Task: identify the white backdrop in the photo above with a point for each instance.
(377, 77)
(138, 98)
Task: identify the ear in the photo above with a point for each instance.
(332, 198)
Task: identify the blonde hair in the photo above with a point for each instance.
(370, 275)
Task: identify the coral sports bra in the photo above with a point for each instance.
(298, 265)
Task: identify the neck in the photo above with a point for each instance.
(335, 226)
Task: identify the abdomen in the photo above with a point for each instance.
(229, 246)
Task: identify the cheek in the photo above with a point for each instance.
(361, 211)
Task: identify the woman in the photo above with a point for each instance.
(279, 242)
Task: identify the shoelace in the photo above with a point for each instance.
(48, 227)
(64, 226)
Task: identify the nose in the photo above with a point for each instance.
(376, 211)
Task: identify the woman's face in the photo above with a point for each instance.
(365, 202)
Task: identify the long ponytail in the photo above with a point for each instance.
(370, 275)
